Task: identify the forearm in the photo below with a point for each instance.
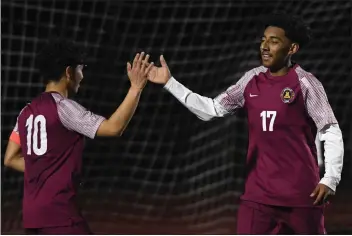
(203, 107)
(122, 116)
(333, 153)
(16, 163)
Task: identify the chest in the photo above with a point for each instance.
(278, 102)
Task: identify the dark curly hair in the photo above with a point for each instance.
(55, 56)
(295, 28)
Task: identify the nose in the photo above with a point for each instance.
(264, 46)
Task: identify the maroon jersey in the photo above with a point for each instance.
(51, 130)
(284, 114)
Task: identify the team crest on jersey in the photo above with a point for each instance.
(287, 95)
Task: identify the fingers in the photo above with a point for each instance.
(314, 193)
(145, 62)
(319, 199)
(327, 194)
(141, 67)
(135, 60)
(321, 193)
(139, 63)
(149, 68)
(152, 72)
(142, 63)
(146, 66)
(162, 61)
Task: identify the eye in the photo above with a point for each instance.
(274, 42)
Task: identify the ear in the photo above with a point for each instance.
(293, 48)
(68, 72)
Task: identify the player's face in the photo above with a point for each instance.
(274, 48)
(75, 81)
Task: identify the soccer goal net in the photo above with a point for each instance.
(169, 172)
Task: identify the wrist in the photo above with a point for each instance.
(135, 89)
(329, 182)
(168, 79)
(169, 82)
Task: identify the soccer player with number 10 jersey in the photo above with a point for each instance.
(286, 108)
(48, 139)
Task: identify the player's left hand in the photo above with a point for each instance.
(321, 194)
(138, 72)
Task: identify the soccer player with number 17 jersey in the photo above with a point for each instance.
(48, 139)
(286, 108)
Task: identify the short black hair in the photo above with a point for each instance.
(295, 28)
(55, 56)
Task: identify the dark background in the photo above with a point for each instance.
(169, 172)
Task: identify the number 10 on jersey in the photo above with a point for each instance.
(268, 115)
(39, 124)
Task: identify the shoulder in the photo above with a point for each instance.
(57, 97)
(28, 107)
(65, 103)
(307, 79)
(249, 75)
(255, 72)
(22, 114)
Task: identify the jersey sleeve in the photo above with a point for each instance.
(233, 98)
(320, 111)
(15, 136)
(316, 101)
(75, 117)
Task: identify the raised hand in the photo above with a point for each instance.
(160, 75)
(138, 71)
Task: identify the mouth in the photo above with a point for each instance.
(266, 56)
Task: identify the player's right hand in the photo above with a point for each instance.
(160, 75)
(321, 194)
(138, 71)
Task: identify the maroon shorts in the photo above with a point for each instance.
(78, 228)
(255, 218)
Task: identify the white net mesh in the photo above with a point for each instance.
(169, 172)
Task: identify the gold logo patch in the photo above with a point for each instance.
(287, 95)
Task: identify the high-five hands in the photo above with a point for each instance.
(160, 75)
(142, 70)
(139, 70)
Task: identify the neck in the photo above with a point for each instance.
(56, 87)
(281, 71)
